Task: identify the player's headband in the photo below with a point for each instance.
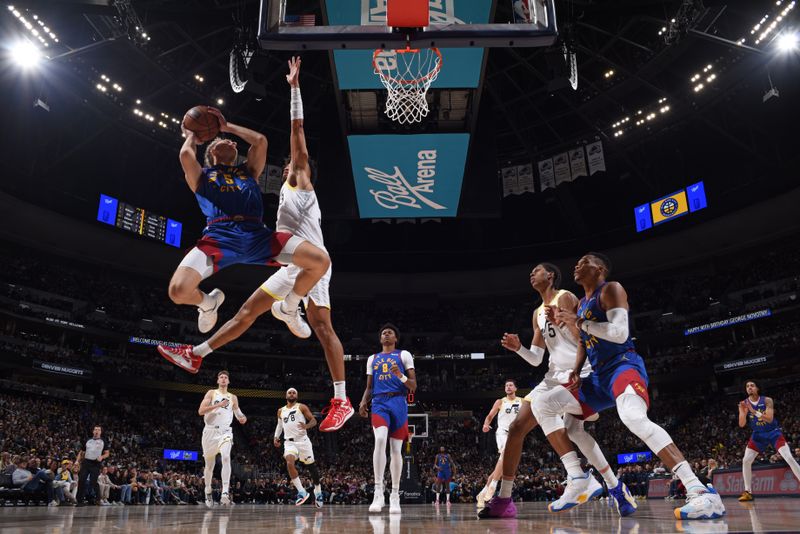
(291, 389)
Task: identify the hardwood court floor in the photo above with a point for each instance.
(655, 516)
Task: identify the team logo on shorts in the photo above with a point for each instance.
(669, 207)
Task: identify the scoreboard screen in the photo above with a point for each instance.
(669, 207)
(139, 221)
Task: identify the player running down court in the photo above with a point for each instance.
(390, 376)
(230, 199)
(759, 412)
(618, 379)
(294, 420)
(218, 408)
(561, 342)
(506, 410)
(298, 215)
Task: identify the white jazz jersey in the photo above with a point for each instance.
(295, 441)
(561, 345)
(299, 214)
(220, 417)
(508, 412)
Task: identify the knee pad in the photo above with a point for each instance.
(632, 411)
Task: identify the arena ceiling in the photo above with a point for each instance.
(84, 140)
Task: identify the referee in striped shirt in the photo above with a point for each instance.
(91, 460)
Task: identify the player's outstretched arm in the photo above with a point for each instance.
(311, 421)
(487, 423)
(276, 440)
(188, 158)
(300, 170)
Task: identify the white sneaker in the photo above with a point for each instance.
(206, 319)
(377, 502)
(578, 491)
(296, 323)
(701, 503)
(394, 503)
(480, 501)
(105, 503)
(209, 500)
(52, 503)
(225, 499)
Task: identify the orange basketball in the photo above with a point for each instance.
(204, 124)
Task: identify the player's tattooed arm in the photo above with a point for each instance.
(769, 413)
(311, 421)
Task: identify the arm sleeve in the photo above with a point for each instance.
(533, 356)
(369, 364)
(279, 428)
(615, 330)
(408, 359)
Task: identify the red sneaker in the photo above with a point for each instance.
(339, 411)
(182, 356)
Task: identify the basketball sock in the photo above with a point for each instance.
(298, 485)
(488, 489)
(687, 476)
(506, 487)
(207, 303)
(317, 489)
(203, 349)
(609, 477)
(572, 464)
(786, 453)
(291, 302)
(339, 391)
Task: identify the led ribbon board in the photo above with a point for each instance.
(408, 176)
(669, 207)
(461, 66)
(139, 221)
(176, 454)
(634, 457)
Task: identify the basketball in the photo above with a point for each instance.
(204, 124)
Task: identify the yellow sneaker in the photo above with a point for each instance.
(746, 496)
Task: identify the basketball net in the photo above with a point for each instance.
(407, 75)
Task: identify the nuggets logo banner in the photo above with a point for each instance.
(669, 207)
(408, 176)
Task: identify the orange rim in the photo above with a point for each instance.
(422, 79)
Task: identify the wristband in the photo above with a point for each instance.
(403, 379)
(296, 105)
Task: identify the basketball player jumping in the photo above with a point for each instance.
(294, 420)
(298, 215)
(561, 343)
(506, 410)
(218, 408)
(759, 412)
(390, 376)
(619, 379)
(445, 469)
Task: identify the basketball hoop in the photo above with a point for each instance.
(407, 75)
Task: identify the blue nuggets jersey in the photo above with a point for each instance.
(599, 351)
(443, 462)
(226, 191)
(383, 381)
(760, 426)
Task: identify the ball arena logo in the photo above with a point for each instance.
(669, 206)
(398, 191)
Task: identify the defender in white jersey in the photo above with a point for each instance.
(299, 211)
(294, 420)
(561, 342)
(218, 409)
(506, 410)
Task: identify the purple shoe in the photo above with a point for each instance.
(498, 508)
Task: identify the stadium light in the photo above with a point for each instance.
(25, 54)
(787, 42)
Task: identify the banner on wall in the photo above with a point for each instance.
(354, 67)
(577, 162)
(510, 180)
(525, 178)
(546, 176)
(561, 166)
(408, 176)
(594, 153)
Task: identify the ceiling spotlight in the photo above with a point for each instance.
(220, 101)
(25, 54)
(787, 42)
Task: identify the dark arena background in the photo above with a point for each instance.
(661, 134)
